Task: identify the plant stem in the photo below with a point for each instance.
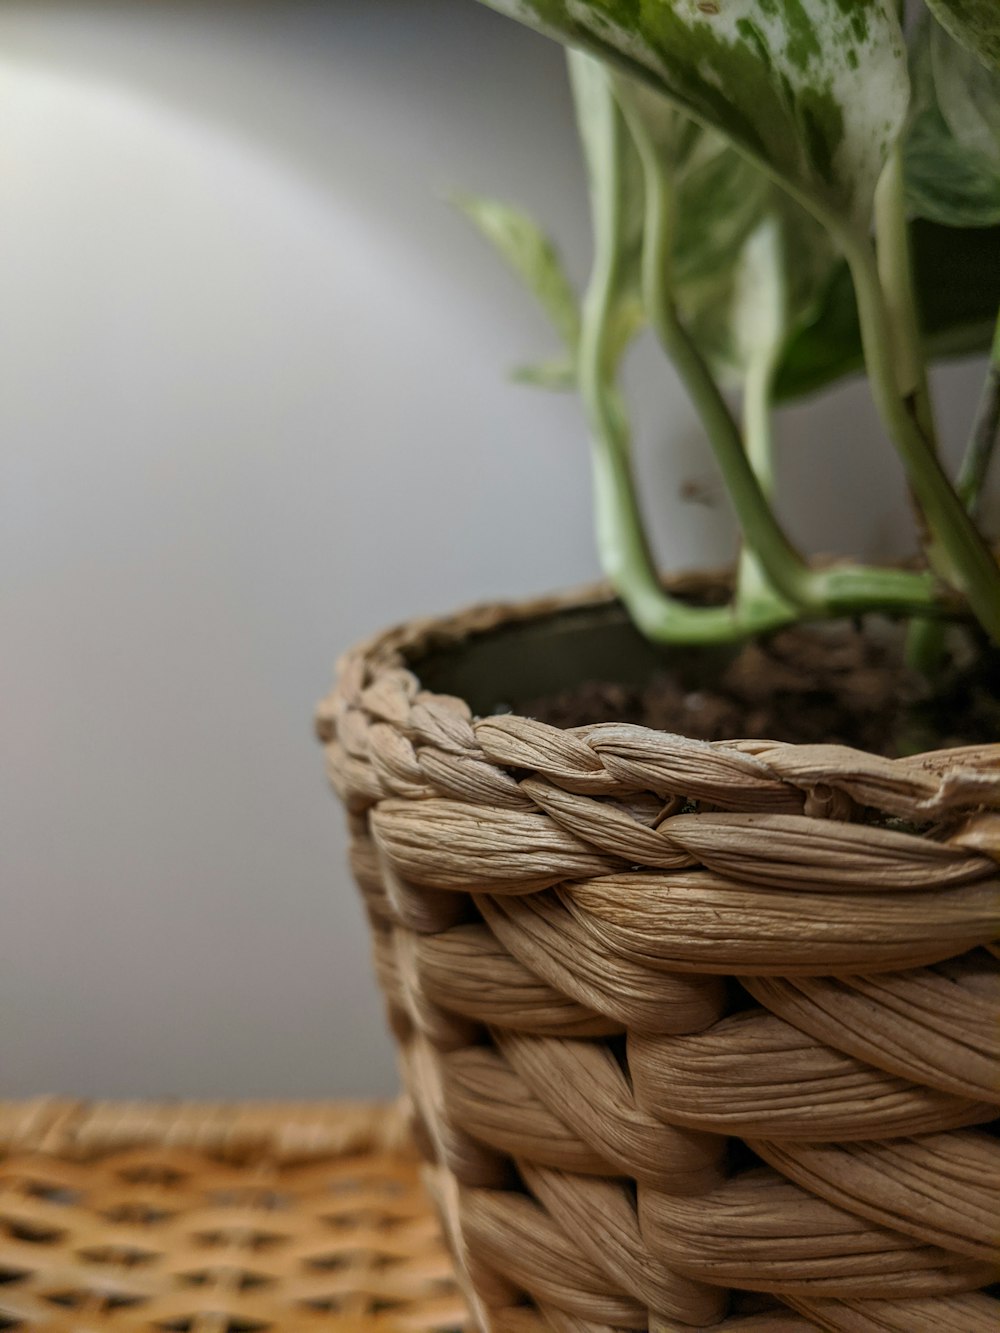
(622, 542)
(985, 433)
(925, 644)
(621, 537)
(840, 590)
(752, 583)
(783, 565)
(895, 269)
(626, 560)
(970, 565)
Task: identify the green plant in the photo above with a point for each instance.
(785, 192)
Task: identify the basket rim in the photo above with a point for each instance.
(399, 650)
(238, 1131)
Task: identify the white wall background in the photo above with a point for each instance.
(252, 406)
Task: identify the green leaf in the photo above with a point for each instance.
(958, 286)
(968, 93)
(952, 148)
(814, 90)
(974, 23)
(721, 197)
(532, 256)
(828, 348)
(747, 263)
(957, 279)
(772, 286)
(628, 319)
(558, 374)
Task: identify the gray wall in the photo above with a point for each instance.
(252, 406)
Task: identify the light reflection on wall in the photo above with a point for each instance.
(252, 406)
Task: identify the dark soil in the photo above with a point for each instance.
(836, 683)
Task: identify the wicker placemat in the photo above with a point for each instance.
(217, 1219)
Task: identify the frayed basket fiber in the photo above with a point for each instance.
(696, 1034)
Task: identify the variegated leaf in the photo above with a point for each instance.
(974, 23)
(558, 374)
(531, 255)
(952, 149)
(968, 93)
(748, 264)
(815, 90)
(957, 280)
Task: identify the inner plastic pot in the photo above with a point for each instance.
(496, 669)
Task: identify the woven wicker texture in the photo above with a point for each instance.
(683, 1021)
(217, 1219)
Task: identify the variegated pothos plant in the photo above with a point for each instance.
(785, 192)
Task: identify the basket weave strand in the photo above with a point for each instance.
(217, 1219)
(696, 1034)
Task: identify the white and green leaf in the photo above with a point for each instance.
(532, 256)
(816, 91)
(968, 93)
(952, 148)
(557, 374)
(748, 265)
(957, 280)
(974, 23)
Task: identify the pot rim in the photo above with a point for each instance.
(416, 657)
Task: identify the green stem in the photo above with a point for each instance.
(621, 538)
(841, 589)
(622, 544)
(837, 591)
(895, 269)
(970, 565)
(925, 645)
(782, 563)
(752, 583)
(925, 642)
(985, 433)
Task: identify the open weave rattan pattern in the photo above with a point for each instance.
(217, 1219)
(682, 1021)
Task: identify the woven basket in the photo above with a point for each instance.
(697, 1034)
(216, 1218)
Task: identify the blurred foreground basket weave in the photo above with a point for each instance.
(681, 1021)
(217, 1219)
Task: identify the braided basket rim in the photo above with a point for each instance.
(404, 645)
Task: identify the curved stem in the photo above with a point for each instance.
(624, 550)
(622, 542)
(895, 270)
(925, 641)
(752, 583)
(840, 590)
(926, 648)
(621, 538)
(970, 565)
(784, 566)
(985, 433)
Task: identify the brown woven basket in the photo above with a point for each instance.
(697, 1034)
(217, 1218)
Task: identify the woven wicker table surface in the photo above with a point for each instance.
(191, 1218)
